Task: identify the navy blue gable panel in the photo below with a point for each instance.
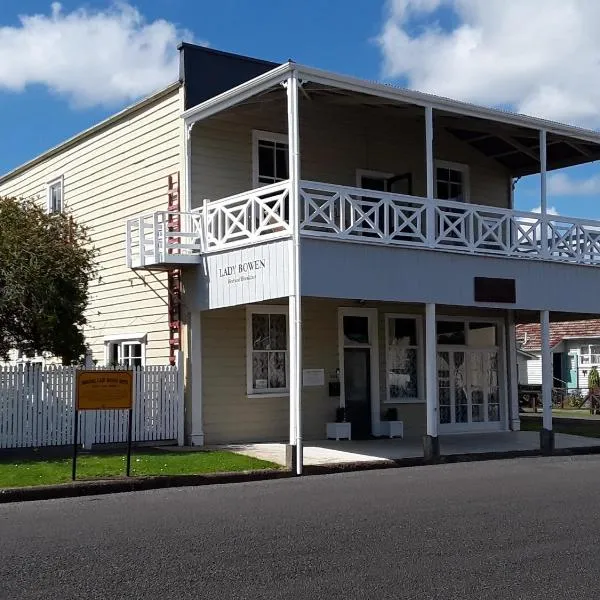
(206, 72)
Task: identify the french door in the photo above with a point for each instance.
(468, 389)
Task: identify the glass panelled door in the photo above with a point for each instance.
(468, 390)
(468, 377)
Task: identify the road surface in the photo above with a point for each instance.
(527, 528)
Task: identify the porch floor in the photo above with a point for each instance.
(329, 452)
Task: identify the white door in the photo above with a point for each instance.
(468, 390)
(468, 367)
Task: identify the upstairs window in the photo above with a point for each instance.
(270, 163)
(451, 181)
(55, 196)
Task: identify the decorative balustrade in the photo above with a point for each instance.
(163, 237)
(254, 216)
(359, 215)
(348, 213)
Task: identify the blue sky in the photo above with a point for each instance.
(56, 78)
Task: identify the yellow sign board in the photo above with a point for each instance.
(104, 390)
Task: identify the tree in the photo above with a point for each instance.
(593, 379)
(46, 263)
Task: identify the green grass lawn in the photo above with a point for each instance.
(588, 428)
(581, 413)
(28, 472)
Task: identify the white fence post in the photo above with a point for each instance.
(180, 399)
(37, 404)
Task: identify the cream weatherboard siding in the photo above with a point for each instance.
(334, 143)
(231, 416)
(116, 171)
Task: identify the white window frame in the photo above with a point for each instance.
(454, 166)
(587, 354)
(265, 136)
(420, 359)
(121, 340)
(60, 180)
(268, 309)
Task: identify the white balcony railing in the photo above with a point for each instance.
(348, 213)
(353, 214)
(164, 238)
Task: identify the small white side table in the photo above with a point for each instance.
(339, 431)
(392, 429)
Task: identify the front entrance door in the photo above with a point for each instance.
(357, 388)
(468, 390)
(469, 376)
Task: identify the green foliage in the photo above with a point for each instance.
(593, 379)
(575, 399)
(46, 262)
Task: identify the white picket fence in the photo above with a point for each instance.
(36, 408)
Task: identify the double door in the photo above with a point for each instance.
(468, 390)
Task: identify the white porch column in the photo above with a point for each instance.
(547, 436)
(295, 299)
(431, 447)
(429, 169)
(194, 380)
(187, 146)
(513, 378)
(543, 198)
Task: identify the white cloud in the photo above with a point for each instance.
(541, 57)
(551, 210)
(561, 184)
(92, 57)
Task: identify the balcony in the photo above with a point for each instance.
(347, 214)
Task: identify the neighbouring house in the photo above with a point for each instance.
(314, 241)
(575, 347)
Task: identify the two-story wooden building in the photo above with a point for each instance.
(332, 242)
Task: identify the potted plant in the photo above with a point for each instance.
(340, 414)
(390, 426)
(341, 428)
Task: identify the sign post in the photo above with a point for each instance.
(97, 389)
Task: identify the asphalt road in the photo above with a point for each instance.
(528, 528)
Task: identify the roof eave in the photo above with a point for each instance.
(441, 103)
(237, 94)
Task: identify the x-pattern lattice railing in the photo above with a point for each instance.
(349, 213)
(249, 217)
(354, 214)
(357, 214)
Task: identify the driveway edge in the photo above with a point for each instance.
(134, 484)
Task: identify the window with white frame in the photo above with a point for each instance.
(267, 349)
(451, 181)
(270, 163)
(402, 358)
(55, 195)
(590, 354)
(125, 351)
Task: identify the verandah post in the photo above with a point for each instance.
(546, 434)
(543, 197)
(431, 444)
(429, 167)
(295, 313)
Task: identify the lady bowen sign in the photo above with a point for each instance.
(245, 271)
(244, 275)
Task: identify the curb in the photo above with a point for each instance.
(136, 484)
